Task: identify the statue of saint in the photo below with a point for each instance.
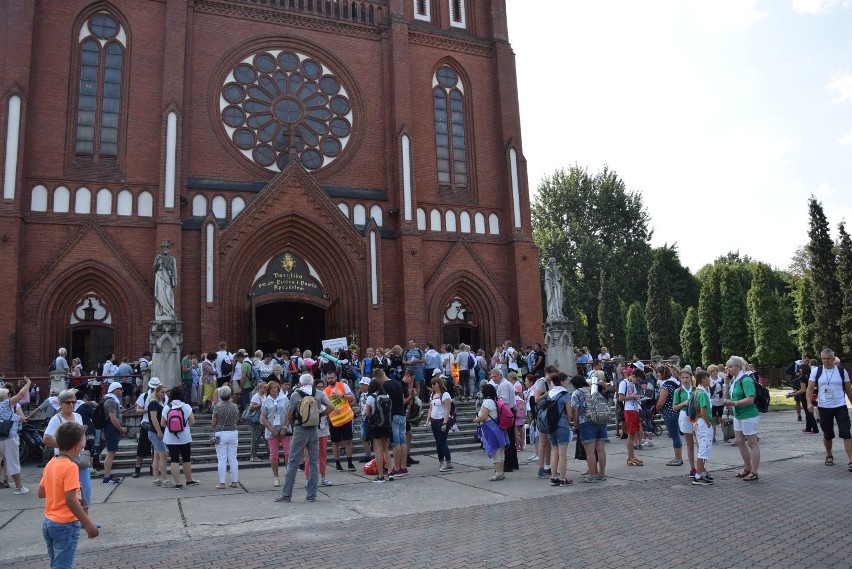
(553, 290)
(165, 281)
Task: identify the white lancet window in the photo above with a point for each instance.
(13, 135)
(38, 198)
(145, 205)
(376, 213)
(450, 218)
(344, 209)
(83, 201)
(124, 204)
(421, 219)
(61, 200)
(493, 224)
(406, 175)
(359, 215)
(220, 207)
(238, 204)
(464, 221)
(208, 279)
(457, 15)
(103, 202)
(479, 223)
(423, 10)
(374, 269)
(434, 220)
(199, 205)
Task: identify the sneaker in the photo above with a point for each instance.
(410, 461)
(703, 481)
(276, 483)
(402, 472)
(351, 467)
(168, 484)
(338, 466)
(393, 474)
(542, 473)
(302, 467)
(532, 458)
(157, 482)
(446, 468)
(554, 482)
(136, 474)
(648, 444)
(325, 482)
(379, 479)
(637, 447)
(708, 477)
(623, 436)
(192, 482)
(311, 498)
(280, 499)
(95, 473)
(112, 480)
(22, 490)
(674, 462)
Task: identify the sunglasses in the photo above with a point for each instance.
(67, 402)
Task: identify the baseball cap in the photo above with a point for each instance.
(113, 387)
(364, 381)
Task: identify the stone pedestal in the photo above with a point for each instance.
(166, 344)
(559, 345)
(57, 381)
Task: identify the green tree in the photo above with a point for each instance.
(827, 297)
(677, 316)
(590, 222)
(690, 338)
(733, 329)
(684, 286)
(662, 334)
(709, 320)
(637, 332)
(805, 318)
(844, 276)
(772, 344)
(610, 321)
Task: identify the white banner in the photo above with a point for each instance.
(335, 344)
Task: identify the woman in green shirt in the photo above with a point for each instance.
(740, 392)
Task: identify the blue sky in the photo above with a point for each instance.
(725, 114)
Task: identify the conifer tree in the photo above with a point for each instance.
(637, 332)
(662, 334)
(690, 338)
(733, 330)
(804, 296)
(610, 321)
(772, 344)
(827, 297)
(844, 276)
(709, 319)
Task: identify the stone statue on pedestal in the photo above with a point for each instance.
(165, 281)
(553, 290)
(557, 328)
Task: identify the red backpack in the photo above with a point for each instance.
(505, 417)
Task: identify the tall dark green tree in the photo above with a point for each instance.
(610, 321)
(734, 328)
(709, 317)
(684, 286)
(589, 222)
(772, 343)
(662, 334)
(677, 315)
(827, 297)
(690, 338)
(805, 318)
(844, 276)
(637, 332)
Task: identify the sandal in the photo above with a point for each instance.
(674, 462)
(850, 467)
(254, 459)
(829, 460)
(565, 482)
(635, 462)
(751, 477)
(220, 487)
(497, 477)
(742, 474)
(589, 479)
(234, 485)
(554, 482)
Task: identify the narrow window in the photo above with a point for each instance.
(457, 19)
(422, 10)
(450, 144)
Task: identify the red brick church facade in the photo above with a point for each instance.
(322, 168)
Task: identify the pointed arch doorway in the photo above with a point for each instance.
(460, 326)
(287, 324)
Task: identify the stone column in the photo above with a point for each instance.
(559, 345)
(166, 345)
(57, 381)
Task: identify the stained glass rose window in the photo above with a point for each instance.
(276, 100)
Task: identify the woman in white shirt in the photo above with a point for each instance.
(440, 405)
(176, 422)
(273, 415)
(257, 427)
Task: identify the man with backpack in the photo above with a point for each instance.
(833, 386)
(113, 430)
(506, 394)
(224, 365)
(398, 392)
(307, 405)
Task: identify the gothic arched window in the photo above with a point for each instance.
(450, 143)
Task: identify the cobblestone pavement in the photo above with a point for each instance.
(658, 523)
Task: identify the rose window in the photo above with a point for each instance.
(275, 101)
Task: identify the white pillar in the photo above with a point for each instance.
(171, 158)
(374, 269)
(13, 131)
(209, 267)
(516, 188)
(406, 176)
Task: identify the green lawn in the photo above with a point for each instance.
(779, 402)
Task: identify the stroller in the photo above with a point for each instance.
(647, 412)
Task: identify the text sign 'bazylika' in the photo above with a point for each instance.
(287, 273)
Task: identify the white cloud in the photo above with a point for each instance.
(736, 14)
(846, 139)
(841, 86)
(819, 6)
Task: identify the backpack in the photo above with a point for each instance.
(548, 413)
(415, 411)
(471, 362)
(692, 408)
(226, 367)
(175, 421)
(99, 417)
(52, 366)
(381, 415)
(505, 418)
(761, 396)
(598, 411)
(815, 396)
(346, 372)
(255, 375)
(306, 413)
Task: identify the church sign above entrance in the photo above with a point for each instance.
(287, 273)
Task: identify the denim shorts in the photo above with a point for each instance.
(156, 442)
(562, 436)
(365, 430)
(589, 433)
(61, 540)
(397, 430)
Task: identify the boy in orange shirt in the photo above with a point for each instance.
(60, 487)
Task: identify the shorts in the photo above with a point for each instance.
(156, 442)
(686, 426)
(717, 410)
(179, 453)
(380, 433)
(220, 381)
(589, 433)
(418, 376)
(631, 422)
(562, 436)
(397, 430)
(112, 438)
(143, 445)
(827, 416)
(704, 438)
(365, 430)
(341, 433)
(747, 427)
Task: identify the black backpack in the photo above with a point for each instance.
(99, 417)
(381, 415)
(548, 413)
(761, 395)
(226, 367)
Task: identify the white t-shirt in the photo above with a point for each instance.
(717, 386)
(142, 401)
(491, 405)
(629, 389)
(461, 359)
(604, 356)
(53, 426)
(437, 410)
(830, 385)
(184, 436)
(510, 354)
(257, 399)
(540, 386)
